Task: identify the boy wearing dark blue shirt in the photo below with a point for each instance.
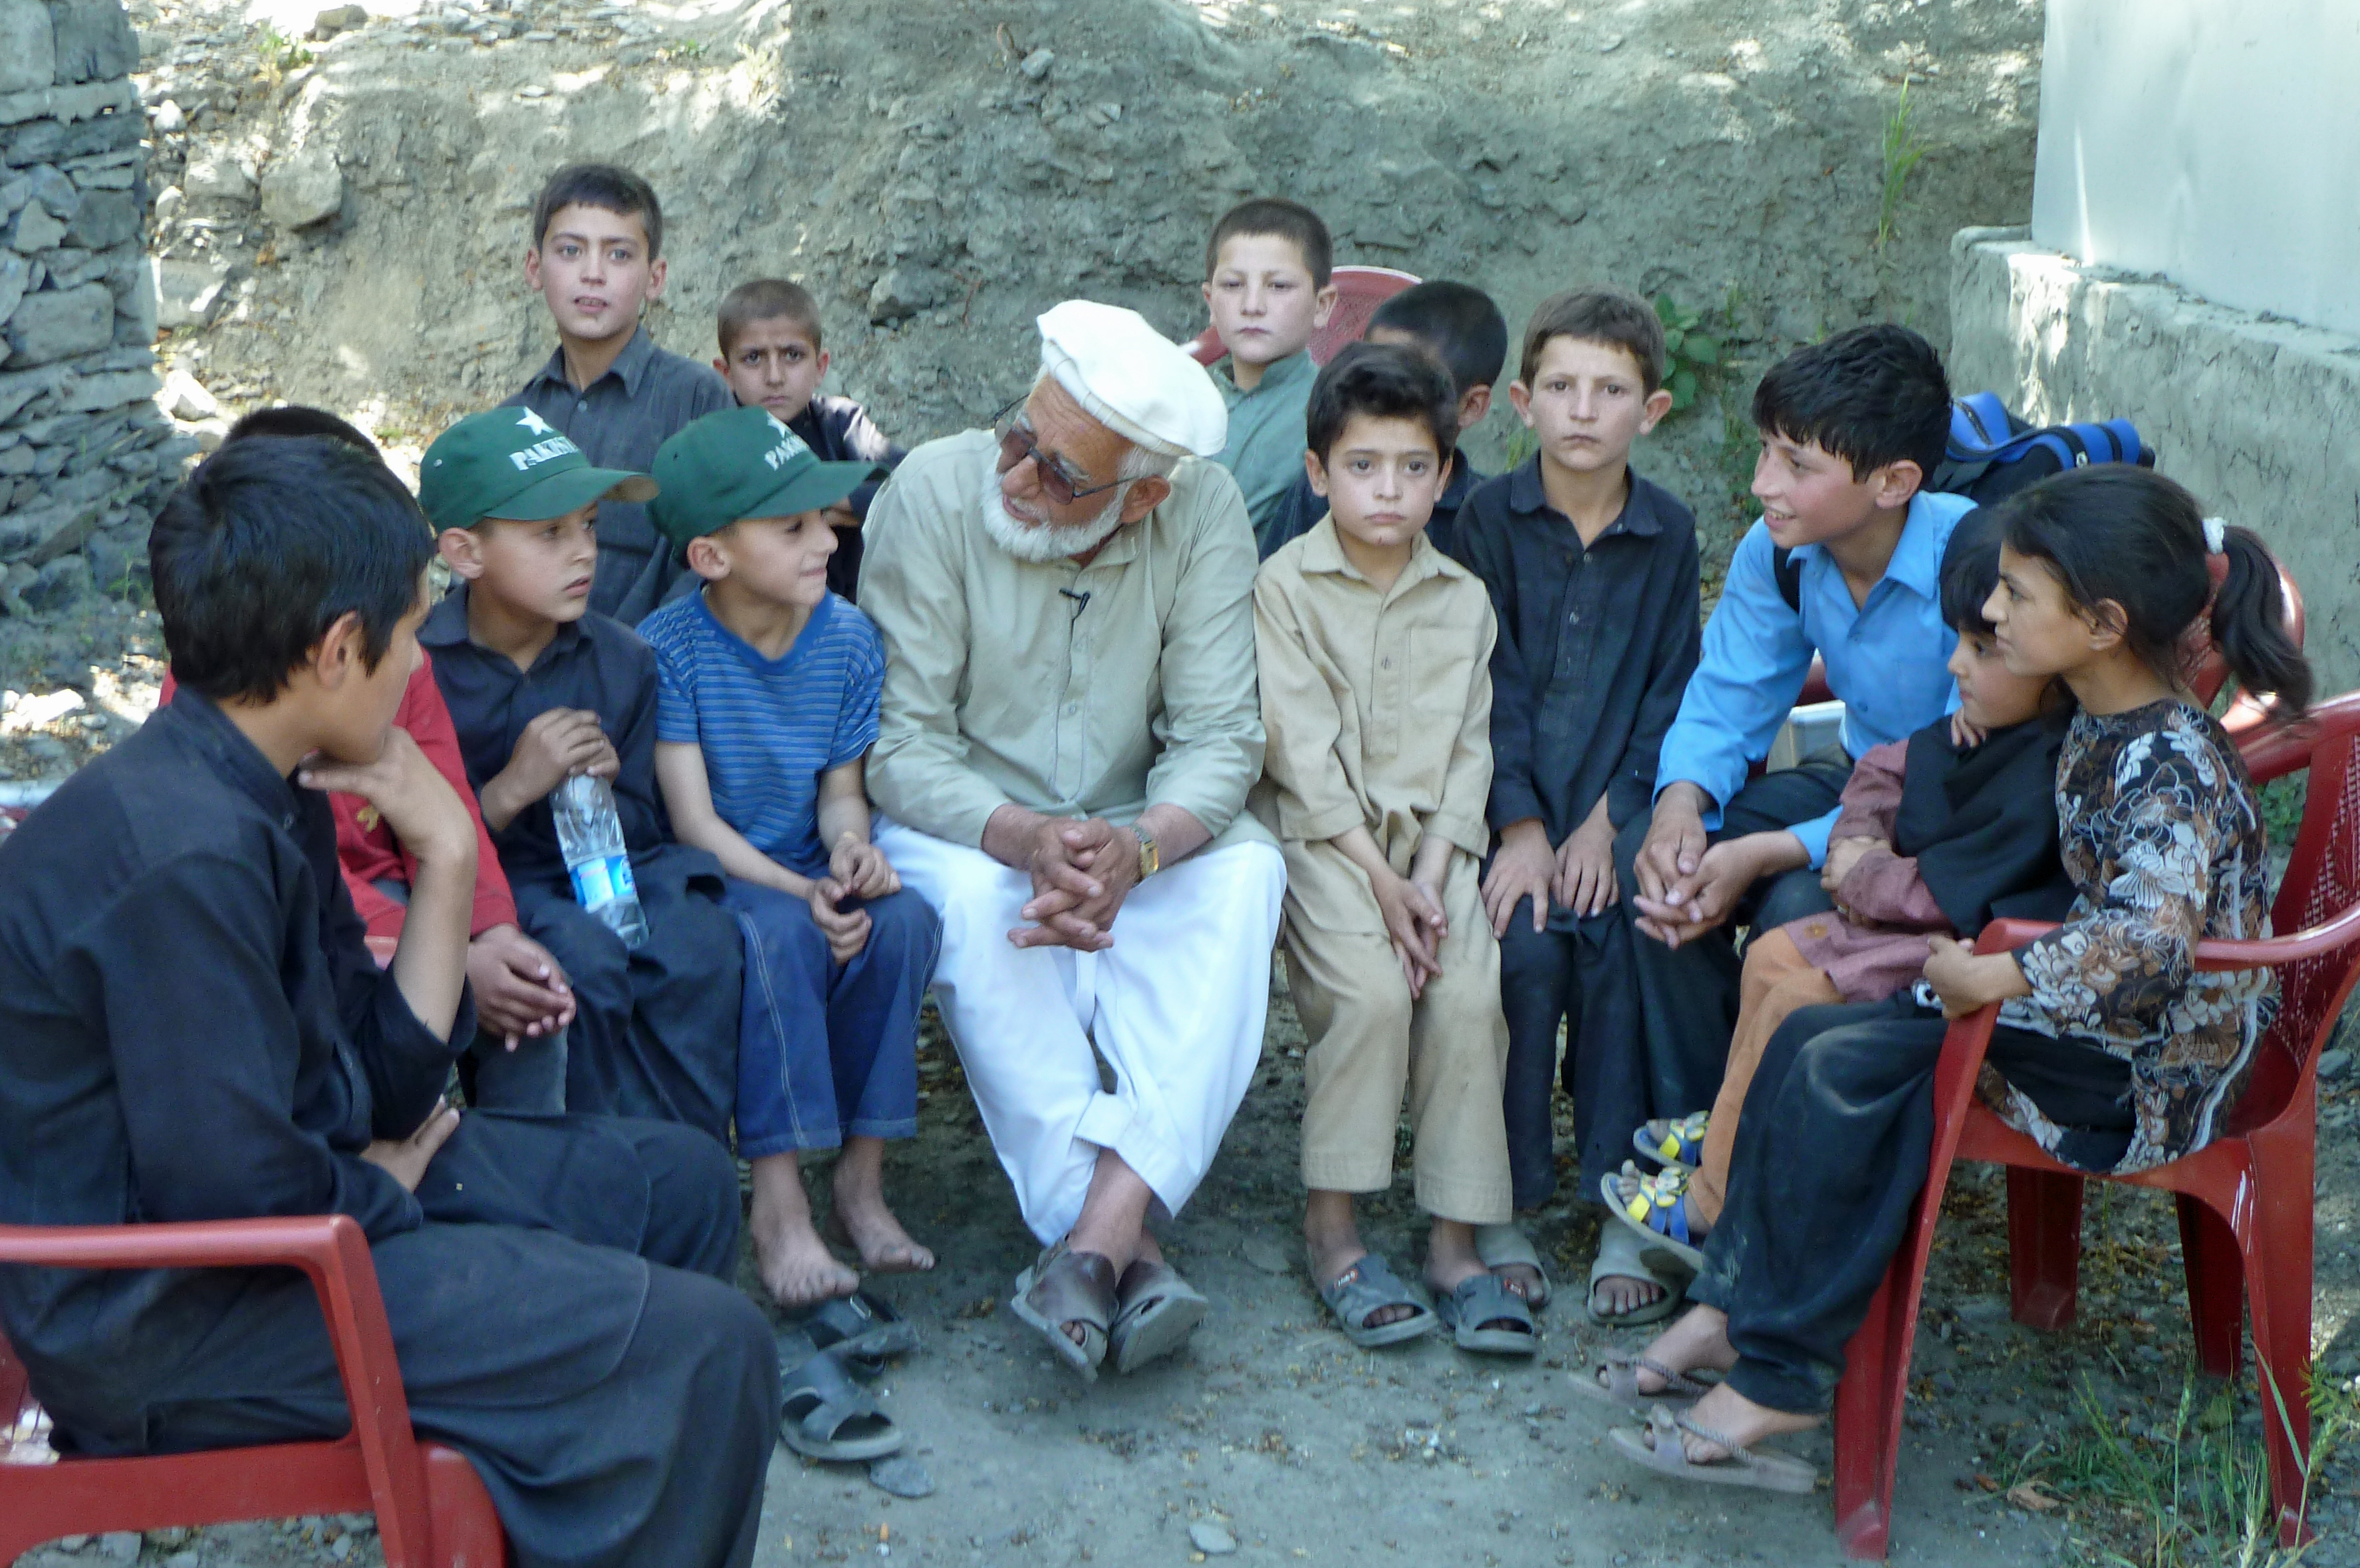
(1592, 572)
(772, 356)
(192, 1029)
(765, 710)
(1846, 563)
(596, 260)
(542, 688)
(1458, 324)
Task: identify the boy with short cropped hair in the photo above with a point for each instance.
(596, 258)
(1372, 648)
(1268, 271)
(1592, 571)
(1459, 326)
(1845, 563)
(196, 1032)
(772, 357)
(767, 706)
(543, 687)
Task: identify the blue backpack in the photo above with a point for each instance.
(1992, 454)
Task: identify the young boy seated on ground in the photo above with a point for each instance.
(542, 687)
(1592, 573)
(2112, 1050)
(1459, 326)
(772, 359)
(596, 260)
(1845, 563)
(1935, 839)
(1267, 271)
(522, 1003)
(768, 685)
(191, 1028)
(1374, 781)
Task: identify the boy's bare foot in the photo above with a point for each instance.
(1698, 1341)
(796, 1268)
(1451, 1259)
(1734, 1416)
(1332, 1238)
(1619, 1295)
(859, 1199)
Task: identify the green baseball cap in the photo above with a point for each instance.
(511, 463)
(743, 463)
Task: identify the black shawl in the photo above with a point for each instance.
(1983, 823)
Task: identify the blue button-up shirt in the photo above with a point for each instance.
(1885, 659)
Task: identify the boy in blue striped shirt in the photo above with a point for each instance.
(767, 696)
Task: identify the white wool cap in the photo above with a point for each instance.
(1134, 380)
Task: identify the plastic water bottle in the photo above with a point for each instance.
(590, 835)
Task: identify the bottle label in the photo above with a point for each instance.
(603, 881)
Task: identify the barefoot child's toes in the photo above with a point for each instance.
(799, 1270)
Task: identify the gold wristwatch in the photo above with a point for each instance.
(1149, 861)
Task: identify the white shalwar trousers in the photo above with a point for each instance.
(1175, 1006)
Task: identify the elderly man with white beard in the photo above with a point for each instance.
(1069, 728)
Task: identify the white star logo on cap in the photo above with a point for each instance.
(535, 423)
(782, 429)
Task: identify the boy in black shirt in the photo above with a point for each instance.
(596, 258)
(771, 355)
(542, 687)
(1458, 324)
(1593, 576)
(191, 1028)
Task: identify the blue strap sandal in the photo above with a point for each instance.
(1657, 1207)
(1673, 1140)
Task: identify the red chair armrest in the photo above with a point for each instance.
(334, 1254)
(2006, 935)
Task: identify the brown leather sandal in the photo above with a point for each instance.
(1064, 1287)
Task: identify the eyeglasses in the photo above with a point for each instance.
(1016, 444)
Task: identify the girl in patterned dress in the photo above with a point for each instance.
(2111, 1051)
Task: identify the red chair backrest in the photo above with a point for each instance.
(1358, 291)
(2322, 879)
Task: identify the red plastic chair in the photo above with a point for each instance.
(431, 1509)
(1358, 291)
(2245, 1200)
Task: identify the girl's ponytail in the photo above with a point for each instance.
(2248, 627)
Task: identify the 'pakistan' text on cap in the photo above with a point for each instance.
(511, 463)
(743, 463)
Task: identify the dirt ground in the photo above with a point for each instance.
(1274, 1429)
(937, 193)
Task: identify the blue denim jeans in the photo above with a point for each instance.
(828, 1051)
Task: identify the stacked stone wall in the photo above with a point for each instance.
(85, 454)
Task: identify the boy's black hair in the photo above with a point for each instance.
(1970, 572)
(609, 187)
(1599, 314)
(1459, 322)
(272, 539)
(1289, 220)
(2113, 531)
(1381, 381)
(765, 299)
(1872, 396)
(295, 418)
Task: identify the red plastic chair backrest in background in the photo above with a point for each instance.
(2322, 878)
(1358, 291)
